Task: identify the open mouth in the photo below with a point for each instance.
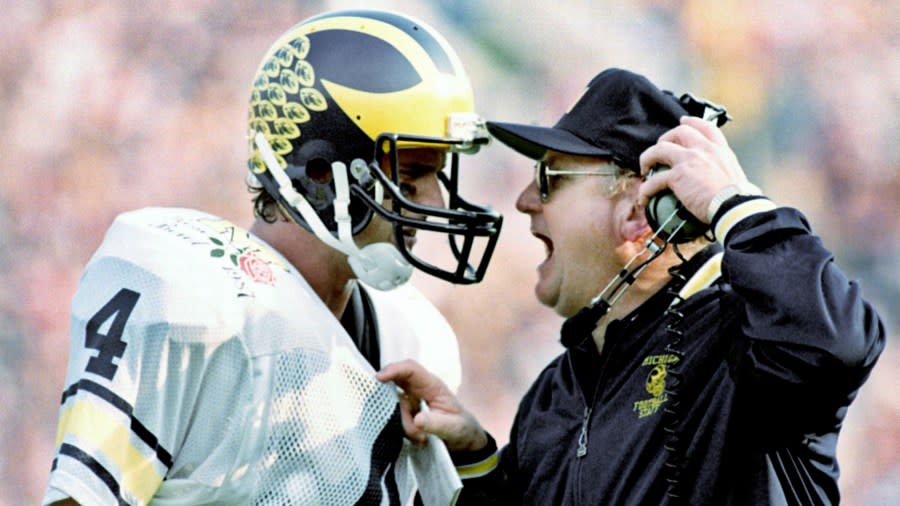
(548, 244)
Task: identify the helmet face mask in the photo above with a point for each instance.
(472, 230)
(339, 93)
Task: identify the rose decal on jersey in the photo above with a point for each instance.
(248, 260)
(245, 260)
(258, 270)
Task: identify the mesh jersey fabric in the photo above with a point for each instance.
(204, 370)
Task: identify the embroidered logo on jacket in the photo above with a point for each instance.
(655, 384)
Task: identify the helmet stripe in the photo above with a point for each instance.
(433, 43)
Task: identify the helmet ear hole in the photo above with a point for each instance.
(319, 171)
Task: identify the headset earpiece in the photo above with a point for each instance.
(669, 218)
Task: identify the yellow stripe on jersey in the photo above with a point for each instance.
(138, 475)
(738, 213)
(705, 276)
(477, 469)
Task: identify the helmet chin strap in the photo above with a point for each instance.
(379, 264)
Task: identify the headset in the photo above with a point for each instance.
(667, 216)
(671, 222)
(679, 225)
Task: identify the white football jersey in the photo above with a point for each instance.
(204, 370)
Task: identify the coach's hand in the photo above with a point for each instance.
(446, 418)
(702, 165)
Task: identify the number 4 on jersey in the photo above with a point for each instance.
(110, 345)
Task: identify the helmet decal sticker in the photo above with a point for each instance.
(282, 98)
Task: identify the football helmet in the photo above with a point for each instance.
(345, 90)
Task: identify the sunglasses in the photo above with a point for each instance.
(543, 171)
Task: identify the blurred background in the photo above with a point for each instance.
(109, 106)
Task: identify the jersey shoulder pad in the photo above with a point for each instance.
(410, 326)
(191, 268)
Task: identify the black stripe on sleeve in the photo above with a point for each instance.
(122, 405)
(99, 471)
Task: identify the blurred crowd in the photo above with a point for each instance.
(119, 104)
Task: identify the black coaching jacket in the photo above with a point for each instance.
(727, 387)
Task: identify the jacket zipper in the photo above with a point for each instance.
(583, 437)
(589, 408)
(586, 416)
(582, 449)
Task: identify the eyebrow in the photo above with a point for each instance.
(418, 168)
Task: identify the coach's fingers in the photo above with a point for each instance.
(685, 134)
(460, 431)
(664, 152)
(706, 128)
(413, 379)
(409, 409)
(652, 185)
(438, 411)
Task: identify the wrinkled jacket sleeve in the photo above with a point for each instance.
(809, 339)
(488, 475)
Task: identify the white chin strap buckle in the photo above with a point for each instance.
(381, 266)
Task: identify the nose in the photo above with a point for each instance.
(429, 193)
(529, 201)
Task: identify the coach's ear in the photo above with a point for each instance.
(633, 226)
(632, 229)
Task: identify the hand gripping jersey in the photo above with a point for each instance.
(204, 370)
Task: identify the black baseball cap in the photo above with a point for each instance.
(619, 115)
